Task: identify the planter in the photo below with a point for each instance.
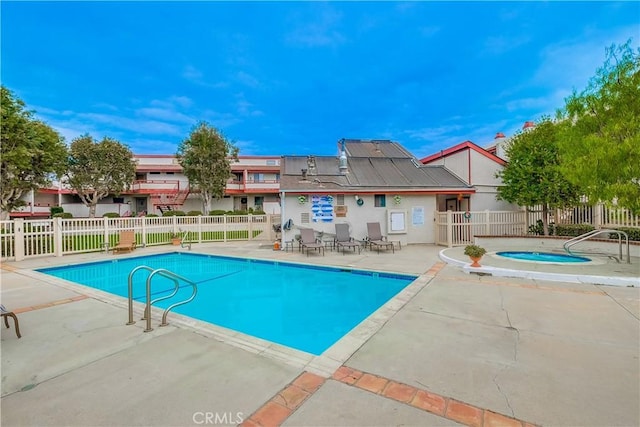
(175, 241)
(475, 261)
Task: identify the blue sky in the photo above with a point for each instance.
(295, 77)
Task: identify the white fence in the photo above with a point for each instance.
(460, 228)
(20, 239)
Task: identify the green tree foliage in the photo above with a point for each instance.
(97, 169)
(206, 158)
(600, 142)
(532, 176)
(31, 153)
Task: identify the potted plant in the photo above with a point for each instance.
(175, 239)
(474, 252)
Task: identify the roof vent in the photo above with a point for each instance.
(343, 163)
(304, 174)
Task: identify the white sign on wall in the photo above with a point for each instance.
(397, 222)
(417, 215)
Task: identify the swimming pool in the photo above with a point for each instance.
(543, 257)
(305, 307)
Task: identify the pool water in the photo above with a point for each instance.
(308, 308)
(543, 257)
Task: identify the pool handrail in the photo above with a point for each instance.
(147, 311)
(581, 238)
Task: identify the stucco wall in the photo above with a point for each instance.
(358, 216)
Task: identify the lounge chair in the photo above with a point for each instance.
(376, 239)
(6, 313)
(344, 240)
(308, 240)
(127, 242)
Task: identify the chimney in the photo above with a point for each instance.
(528, 126)
(499, 135)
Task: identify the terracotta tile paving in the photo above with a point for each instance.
(463, 413)
(430, 402)
(446, 407)
(491, 419)
(277, 409)
(346, 375)
(400, 392)
(372, 383)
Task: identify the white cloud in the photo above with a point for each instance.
(322, 31)
(247, 79)
(166, 114)
(503, 44)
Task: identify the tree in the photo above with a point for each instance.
(31, 153)
(97, 169)
(532, 176)
(205, 158)
(600, 142)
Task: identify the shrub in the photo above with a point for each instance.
(633, 233)
(194, 213)
(573, 230)
(56, 210)
(258, 212)
(237, 212)
(111, 215)
(217, 212)
(538, 228)
(173, 213)
(151, 215)
(65, 215)
(474, 251)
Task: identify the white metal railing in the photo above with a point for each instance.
(20, 239)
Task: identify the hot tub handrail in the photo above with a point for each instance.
(575, 240)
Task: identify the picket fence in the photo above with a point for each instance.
(460, 228)
(20, 239)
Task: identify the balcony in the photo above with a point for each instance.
(253, 186)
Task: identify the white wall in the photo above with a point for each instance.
(358, 216)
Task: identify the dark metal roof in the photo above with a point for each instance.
(375, 148)
(366, 174)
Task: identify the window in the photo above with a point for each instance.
(258, 177)
(304, 218)
(340, 200)
(380, 201)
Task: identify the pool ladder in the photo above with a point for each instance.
(147, 310)
(567, 245)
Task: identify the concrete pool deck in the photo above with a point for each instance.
(460, 349)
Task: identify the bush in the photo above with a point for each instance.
(173, 213)
(194, 213)
(633, 233)
(56, 210)
(217, 212)
(65, 215)
(258, 212)
(573, 230)
(237, 212)
(111, 215)
(151, 215)
(538, 228)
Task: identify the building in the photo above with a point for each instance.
(160, 185)
(368, 181)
